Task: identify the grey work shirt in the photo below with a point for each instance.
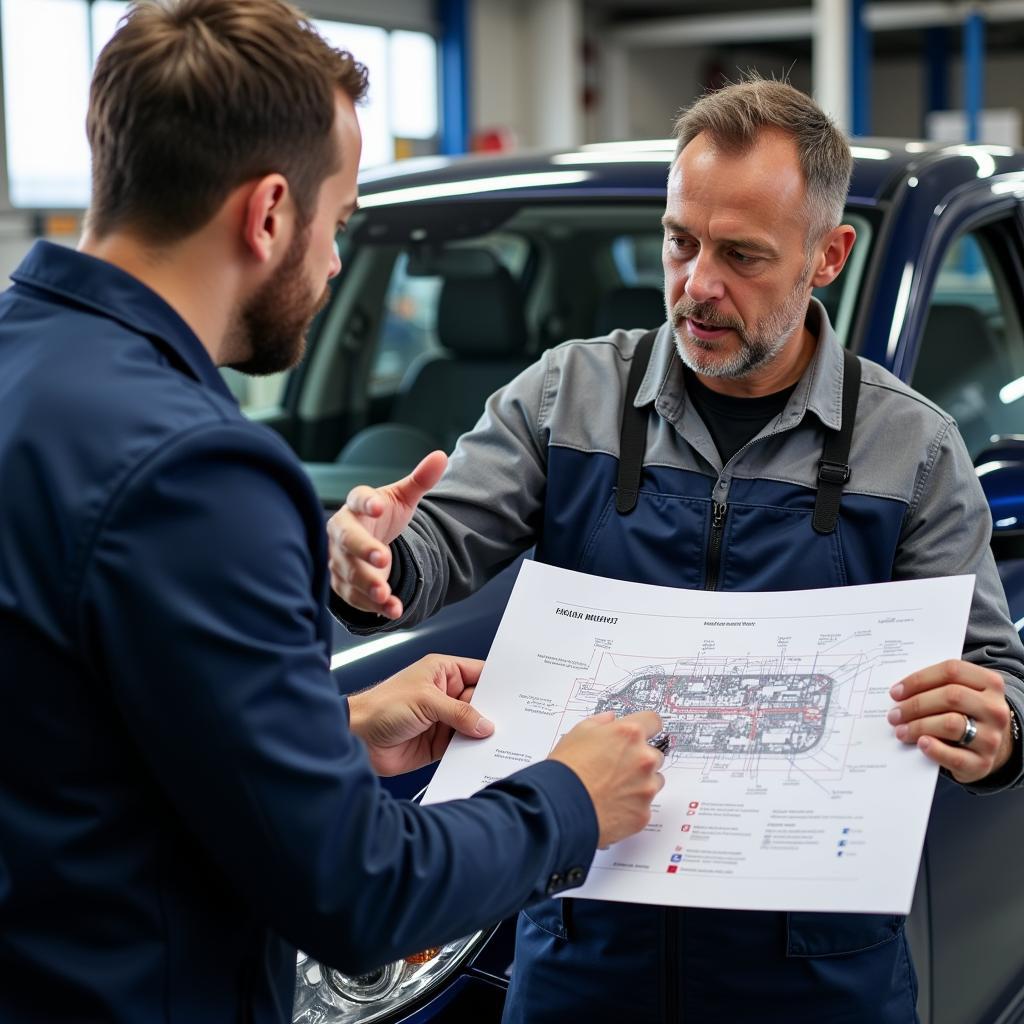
(913, 506)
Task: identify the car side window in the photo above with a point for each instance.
(409, 327)
(971, 355)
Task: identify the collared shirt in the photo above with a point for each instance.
(181, 802)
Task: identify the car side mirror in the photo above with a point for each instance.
(1000, 468)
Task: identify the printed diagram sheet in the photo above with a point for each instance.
(786, 788)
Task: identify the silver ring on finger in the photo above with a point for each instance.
(970, 731)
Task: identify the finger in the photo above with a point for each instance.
(964, 764)
(364, 501)
(361, 576)
(390, 608)
(461, 716)
(462, 674)
(649, 722)
(374, 593)
(962, 673)
(949, 727)
(351, 540)
(661, 781)
(936, 702)
(422, 479)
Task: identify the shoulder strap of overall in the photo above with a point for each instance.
(633, 434)
(834, 467)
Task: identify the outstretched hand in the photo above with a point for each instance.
(407, 721)
(359, 533)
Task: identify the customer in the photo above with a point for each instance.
(184, 797)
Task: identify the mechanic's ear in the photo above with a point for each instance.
(267, 209)
(830, 255)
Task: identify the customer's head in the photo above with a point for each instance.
(229, 126)
(752, 226)
(191, 98)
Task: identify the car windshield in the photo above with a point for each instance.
(579, 269)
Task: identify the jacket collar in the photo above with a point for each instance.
(819, 390)
(82, 280)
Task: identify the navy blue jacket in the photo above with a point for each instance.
(181, 802)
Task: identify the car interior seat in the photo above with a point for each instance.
(629, 307)
(482, 330)
(961, 368)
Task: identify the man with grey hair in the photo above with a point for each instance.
(748, 475)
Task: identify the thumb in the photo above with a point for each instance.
(422, 479)
(460, 716)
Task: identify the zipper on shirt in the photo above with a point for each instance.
(718, 511)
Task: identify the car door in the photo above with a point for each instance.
(967, 927)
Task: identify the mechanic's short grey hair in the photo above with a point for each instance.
(733, 117)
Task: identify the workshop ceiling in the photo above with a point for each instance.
(999, 36)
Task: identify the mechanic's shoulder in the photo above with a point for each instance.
(616, 347)
(886, 393)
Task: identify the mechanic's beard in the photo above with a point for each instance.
(272, 325)
(758, 345)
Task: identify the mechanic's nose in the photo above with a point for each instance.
(703, 282)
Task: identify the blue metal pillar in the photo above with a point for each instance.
(936, 47)
(454, 18)
(974, 73)
(860, 71)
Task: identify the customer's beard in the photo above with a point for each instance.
(758, 345)
(272, 325)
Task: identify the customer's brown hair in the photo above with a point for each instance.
(192, 98)
(734, 116)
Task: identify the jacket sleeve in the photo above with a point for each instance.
(485, 512)
(947, 533)
(201, 611)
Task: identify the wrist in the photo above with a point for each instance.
(358, 713)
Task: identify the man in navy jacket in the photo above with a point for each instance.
(184, 798)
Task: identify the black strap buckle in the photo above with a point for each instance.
(833, 472)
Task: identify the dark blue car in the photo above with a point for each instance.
(458, 273)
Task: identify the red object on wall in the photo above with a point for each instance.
(493, 140)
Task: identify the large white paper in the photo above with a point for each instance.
(786, 788)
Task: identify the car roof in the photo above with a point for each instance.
(637, 170)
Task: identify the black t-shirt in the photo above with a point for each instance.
(731, 421)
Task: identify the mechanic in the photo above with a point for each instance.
(722, 466)
(184, 797)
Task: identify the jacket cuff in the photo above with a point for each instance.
(572, 810)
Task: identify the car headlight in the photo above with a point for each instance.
(325, 995)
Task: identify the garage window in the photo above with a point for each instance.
(50, 47)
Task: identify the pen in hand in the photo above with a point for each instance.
(660, 742)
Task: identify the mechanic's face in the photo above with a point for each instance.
(737, 273)
(275, 320)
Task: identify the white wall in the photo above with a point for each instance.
(660, 81)
(526, 70)
(500, 68)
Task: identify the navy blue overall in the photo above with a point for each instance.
(612, 963)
